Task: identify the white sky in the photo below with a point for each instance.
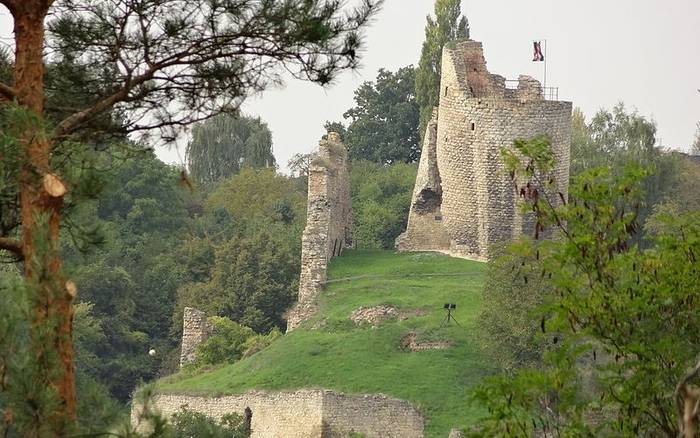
(645, 53)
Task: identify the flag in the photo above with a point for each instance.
(538, 51)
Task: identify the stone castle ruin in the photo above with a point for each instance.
(195, 330)
(301, 414)
(328, 223)
(463, 201)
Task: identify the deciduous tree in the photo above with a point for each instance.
(447, 26)
(221, 146)
(383, 124)
(627, 316)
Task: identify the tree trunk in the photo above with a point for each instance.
(41, 200)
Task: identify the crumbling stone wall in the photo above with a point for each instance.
(425, 230)
(304, 413)
(370, 416)
(195, 330)
(328, 223)
(477, 116)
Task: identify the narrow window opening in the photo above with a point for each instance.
(446, 90)
(473, 126)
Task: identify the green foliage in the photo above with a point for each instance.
(223, 145)
(227, 343)
(253, 282)
(383, 124)
(628, 316)
(534, 400)
(331, 352)
(618, 138)
(299, 163)
(186, 62)
(187, 424)
(258, 343)
(219, 59)
(447, 26)
(336, 127)
(97, 411)
(127, 287)
(27, 399)
(381, 198)
(513, 290)
(253, 196)
(252, 225)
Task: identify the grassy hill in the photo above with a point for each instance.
(330, 351)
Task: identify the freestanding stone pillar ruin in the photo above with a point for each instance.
(195, 330)
(463, 200)
(328, 223)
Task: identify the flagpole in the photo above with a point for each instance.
(546, 57)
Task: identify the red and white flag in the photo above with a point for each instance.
(538, 51)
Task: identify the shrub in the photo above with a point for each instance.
(226, 344)
(187, 424)
(259, 342)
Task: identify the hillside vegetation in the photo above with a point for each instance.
(331, 351)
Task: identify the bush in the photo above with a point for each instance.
(513, 290)
(260, 342)
(227, 343)
(187, 424)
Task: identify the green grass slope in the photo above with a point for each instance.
(331, 352)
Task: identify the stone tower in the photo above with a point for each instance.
(463, 200)
(328, 223)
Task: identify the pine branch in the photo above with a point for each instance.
(7, 92)
(11, 245)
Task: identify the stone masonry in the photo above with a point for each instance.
(464, 201)
(328, 224)
(195, 330)
(425, 230)
(303, 413)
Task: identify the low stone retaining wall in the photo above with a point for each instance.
(304, 413)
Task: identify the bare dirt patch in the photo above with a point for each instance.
(377, 314)
(373, 315)
(409, 342)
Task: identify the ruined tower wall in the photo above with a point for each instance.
(195, 330)
(477, 116)
(328, 223)
(425, 230)
(477, 119)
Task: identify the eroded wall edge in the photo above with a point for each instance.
(328, 228)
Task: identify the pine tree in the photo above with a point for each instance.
(447, 26)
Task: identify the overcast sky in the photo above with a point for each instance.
(645, 53)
